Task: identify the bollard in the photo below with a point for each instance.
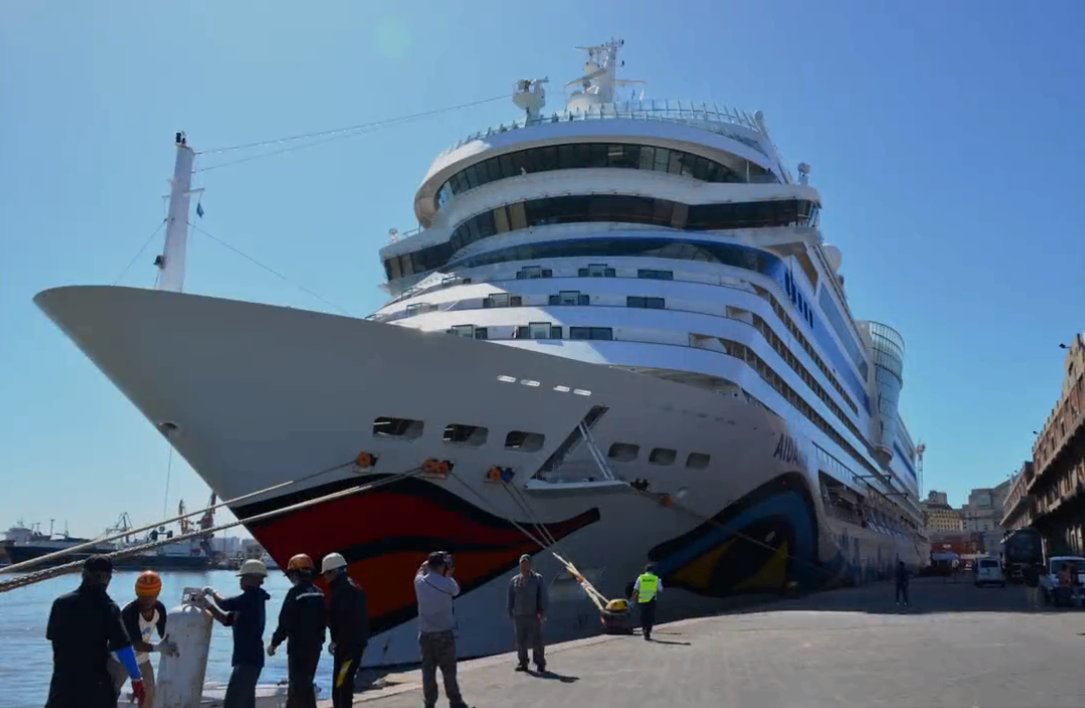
(181, 677)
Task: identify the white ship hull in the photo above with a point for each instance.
(263, 394)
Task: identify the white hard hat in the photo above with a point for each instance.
(332, 561)
(253, 566)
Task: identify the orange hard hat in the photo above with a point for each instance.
(148, 584)
(300, 562)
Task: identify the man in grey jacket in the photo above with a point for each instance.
(527, 604)
(434, 587)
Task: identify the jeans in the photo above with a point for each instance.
(301, 668)
(344, 670)
(439, 652)
(241, 691)
(529, 634)
(902, 592)
(647, 617)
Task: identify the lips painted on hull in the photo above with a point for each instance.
(387, 533)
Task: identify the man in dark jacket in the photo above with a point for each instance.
(348, 624)
(1031, 575)
(84, 626)
(301, 624)
(902, 583)
(246, 615)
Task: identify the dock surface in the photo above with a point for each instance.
(956, 645)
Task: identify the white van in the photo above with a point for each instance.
(988, 571)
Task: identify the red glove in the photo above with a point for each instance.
(138, 691)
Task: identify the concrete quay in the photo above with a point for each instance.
(956, 645)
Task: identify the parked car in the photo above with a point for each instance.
(988, 571)
(1050, 579)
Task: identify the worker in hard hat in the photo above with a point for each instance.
(435, 588)
(348, 625)
(84, 627)
(143, 618)
(301, 626)
(245, 614)
(646, 590)
(527, 604)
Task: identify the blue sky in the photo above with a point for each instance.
(946, 140)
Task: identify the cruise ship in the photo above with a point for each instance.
(618, 333)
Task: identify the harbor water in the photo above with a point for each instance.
(26, 660)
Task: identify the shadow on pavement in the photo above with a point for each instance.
(671, 642)
(551, 676)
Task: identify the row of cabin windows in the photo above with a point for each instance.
(523, 441)
(727, 254)
(564, 297)
(615, 208)
(793, 362)
(706, 341)
(455, 433)
(628, 452)
(799, 337)
(537, 330)
(593, 270)
(576, 298)
(766, 372)
(581, 155)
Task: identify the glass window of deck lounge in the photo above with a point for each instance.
(579, 155)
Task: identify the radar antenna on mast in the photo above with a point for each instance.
(599, 80)
(530, 96)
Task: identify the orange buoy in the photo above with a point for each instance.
(365, 460)
(493, 474)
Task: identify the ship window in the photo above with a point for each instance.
(481, 333)
(503, 300)
(652, 303)
(569, 297)
(596, 270)
(662, 456)
(463, 331)
(532, 272)
(406, 428)
(655, 274)
(473, 435)
(605, 333)
(419, 308)
(524, 442)
(538, 330)
(697, 460)
(623, 452)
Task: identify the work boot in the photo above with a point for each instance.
(521, 667)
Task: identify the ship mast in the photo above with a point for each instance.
(171, 264)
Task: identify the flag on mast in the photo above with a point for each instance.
(199, 209)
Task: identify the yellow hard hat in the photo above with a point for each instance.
(300, 562)
(148, 584)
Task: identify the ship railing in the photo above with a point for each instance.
(706, 116)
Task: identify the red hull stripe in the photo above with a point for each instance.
(386, 534)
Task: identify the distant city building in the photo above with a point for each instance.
(939, 517)
(982, 516)
(1058, 483)
(1020, 506)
